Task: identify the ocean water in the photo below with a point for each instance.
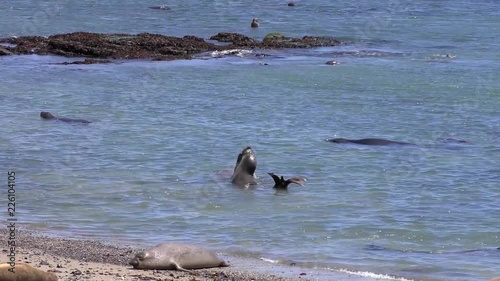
(155, 164)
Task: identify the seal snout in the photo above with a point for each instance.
(134, 262)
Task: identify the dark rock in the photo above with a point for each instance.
(305, 42)
(291, 4)
(273, 36)
(149, 46)
(235, 38)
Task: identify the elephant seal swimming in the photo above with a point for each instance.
(255, 23)
(23, 271)
(281, 183)
(48, 116)
(369, 141)
(176, 257)
(163, 8)
(244, 171)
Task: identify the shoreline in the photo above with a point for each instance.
(81, 259)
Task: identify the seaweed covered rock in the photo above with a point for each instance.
(149, 46)
(273, 36)
(235, 38)
(277, 41)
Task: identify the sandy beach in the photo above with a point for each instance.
(90, 260)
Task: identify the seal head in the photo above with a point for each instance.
(255, 23)
(244, 171)
(47, 115)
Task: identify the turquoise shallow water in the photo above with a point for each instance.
(155, 163)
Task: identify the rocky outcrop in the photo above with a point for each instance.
(147, 45)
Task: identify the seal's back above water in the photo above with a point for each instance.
(370, 141)
(176, 256)
(48, 116)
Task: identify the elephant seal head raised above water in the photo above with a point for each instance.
(244, 171)
(172, 256)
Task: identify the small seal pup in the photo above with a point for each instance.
(281, 183)
(23, 271)
(368, 141)
(244, 171)
(176, 257)
(48, 116)
(255, 23)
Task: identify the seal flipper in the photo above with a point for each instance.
(281, 183)
(277, 180)
(179, 267)
(296, 180)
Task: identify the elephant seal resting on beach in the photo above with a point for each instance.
(281, 183)
(244, 171)
(369, 141)
(24, 272)
(48, 116)
(176, 256)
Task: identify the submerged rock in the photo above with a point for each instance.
(86, 61)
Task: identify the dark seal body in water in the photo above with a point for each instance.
(48, 116)
(369, 141)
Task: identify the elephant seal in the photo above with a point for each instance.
(255, 23)
(163, 8)
(48, 116)
(176, 257)
(244, 171)
(369, 141)
(281, 183)
(23, 271)
(332, 62)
